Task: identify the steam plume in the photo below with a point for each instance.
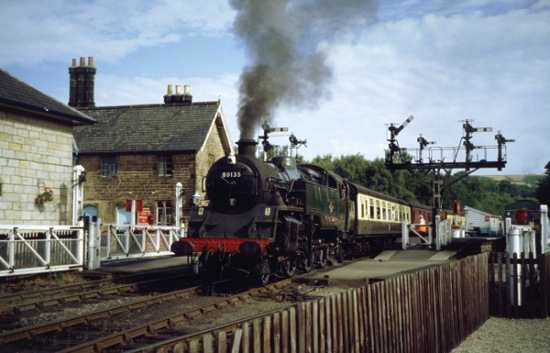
(284, 40)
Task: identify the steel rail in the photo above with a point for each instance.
(59, 325)
(19, 303)
(126, 336)
(22, 296)
(72, 298)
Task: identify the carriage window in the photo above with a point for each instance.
(378, 210)
(371, 208)
(384, 210)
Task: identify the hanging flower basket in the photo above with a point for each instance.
(46, 196)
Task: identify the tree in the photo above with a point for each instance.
(324, 162)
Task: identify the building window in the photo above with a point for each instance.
(165, 216)
(109, 166)
(165, 166)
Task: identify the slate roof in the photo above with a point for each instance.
(16, 94)
(148, 128)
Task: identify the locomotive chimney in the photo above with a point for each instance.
(247, 147)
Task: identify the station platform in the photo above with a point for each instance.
(387, 264)
(168, 263)
(350, 272)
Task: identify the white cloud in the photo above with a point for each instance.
(442, 62)
(493, 69)
(34, 32)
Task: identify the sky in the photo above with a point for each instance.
(379, 62)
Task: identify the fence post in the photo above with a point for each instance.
(81, 243)
(91, 246)
(544, 278)
(439, 235)
(11, 249)
(544, 229)
(109, 235)
(507, 225)
(179, 210)
(404, 234)
(97, 243)
(48, 250)
(79, 175)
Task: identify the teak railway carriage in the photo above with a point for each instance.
(268, 219)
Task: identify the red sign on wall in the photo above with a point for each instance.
(143, 215)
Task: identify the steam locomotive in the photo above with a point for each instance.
(272, 218)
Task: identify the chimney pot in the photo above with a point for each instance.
(169, 90)
(81, 86)
(178, 90)
(186, 90)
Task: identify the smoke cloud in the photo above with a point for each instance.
(286, 42)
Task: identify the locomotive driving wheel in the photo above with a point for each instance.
(339, 253)
(288, 267)
(305, 262)
(203, 260)
(321, 257)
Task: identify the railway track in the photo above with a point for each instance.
(140, 322)
(24, 302)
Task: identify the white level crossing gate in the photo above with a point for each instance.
(34, 249)
(28, 249)
(38, 249)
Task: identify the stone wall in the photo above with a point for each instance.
(212, 151)
(136, 179)
(34, 154)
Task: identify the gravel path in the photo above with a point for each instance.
(498, 335)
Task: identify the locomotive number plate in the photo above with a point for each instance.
(235, 174)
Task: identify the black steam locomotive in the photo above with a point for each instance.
(267, 219)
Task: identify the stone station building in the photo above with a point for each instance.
(140, 152)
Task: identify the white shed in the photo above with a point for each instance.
(482, 223)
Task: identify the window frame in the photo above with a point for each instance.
(165, 166)
(109, 166)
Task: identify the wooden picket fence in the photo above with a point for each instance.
(519, 286)
(432, 310)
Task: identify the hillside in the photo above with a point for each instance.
(519, 179)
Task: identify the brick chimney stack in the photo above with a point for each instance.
(81, 95)
(184, 98)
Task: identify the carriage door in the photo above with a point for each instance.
(343, 206)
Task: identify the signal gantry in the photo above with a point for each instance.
(398, 158)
